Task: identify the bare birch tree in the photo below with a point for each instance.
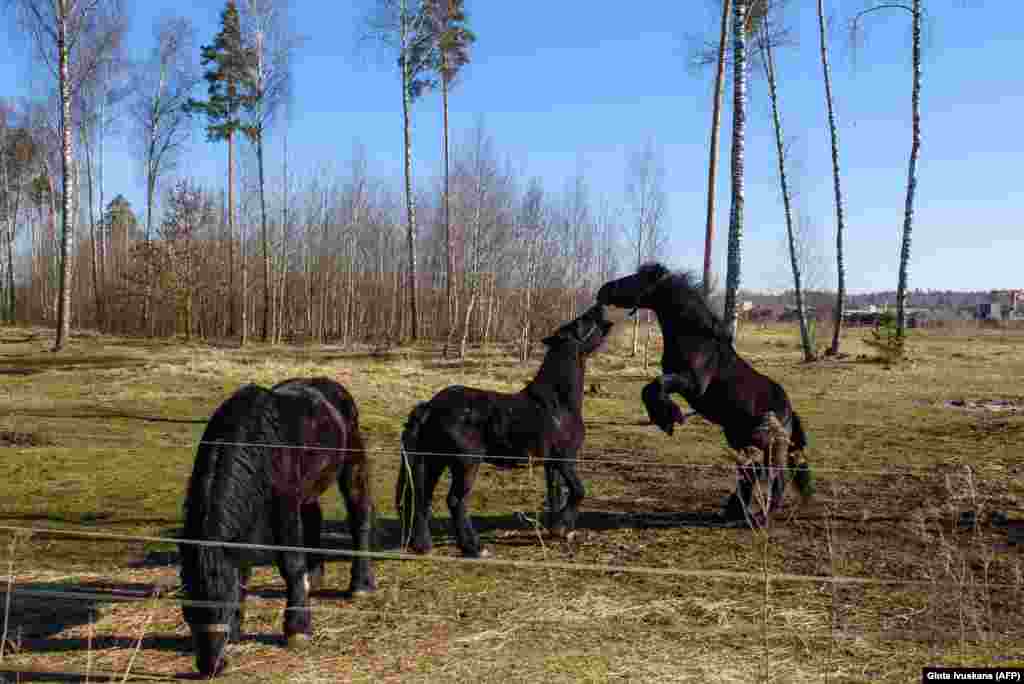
(266, 86)
(916, 10)
(833, 130)
(765, 44)
(398, 25)
(71, 37)
(645, 197)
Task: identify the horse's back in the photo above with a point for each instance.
(229, 465)
(738, 398)
(331, 390)
(476, 421)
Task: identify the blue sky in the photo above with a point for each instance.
(562, 82)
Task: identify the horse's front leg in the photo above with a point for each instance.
(463, 476)
(298, 624)
(354, 484)
(557, 496)
(664, 412)
(564, 520)
(312, 524)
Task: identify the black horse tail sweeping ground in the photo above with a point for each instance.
(406, 482)
(803, 476)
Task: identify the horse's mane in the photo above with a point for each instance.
(228, 472)
(687, 290)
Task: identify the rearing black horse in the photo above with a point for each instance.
(700, 363)
(460, 427)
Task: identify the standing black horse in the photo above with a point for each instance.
(265, 458)
(700, 363)
(461, 427)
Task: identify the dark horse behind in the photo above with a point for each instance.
(461, 427)
(700, 363)
(264, 460)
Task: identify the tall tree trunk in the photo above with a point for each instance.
(908, 219)
(452, 290)
(243, 334)
(840, 212)
(283, 281)
(103, 250)
(231, 233)
(636, 316)
(469, 313)
(52, 266)
(67, 220)
(524, 353)
(148, 314)
(410, 204)
(732, 276)
(12, 218)
(265, 239)
(769, 68)
(716, 125)
(93, 236)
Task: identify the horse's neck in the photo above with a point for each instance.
(562, 372)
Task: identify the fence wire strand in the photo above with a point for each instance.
(502, 562)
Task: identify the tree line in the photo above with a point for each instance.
(340, 254)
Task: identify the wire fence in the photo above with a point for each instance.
(167, 596)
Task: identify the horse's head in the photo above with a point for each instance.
(212, 611)
(589, 331)
(633, 291)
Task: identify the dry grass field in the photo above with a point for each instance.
(101, 438)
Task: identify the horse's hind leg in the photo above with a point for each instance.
(463, 476)
(425, 473)
(565, 520)
(312, 522)
(738, 506)
(353, 481)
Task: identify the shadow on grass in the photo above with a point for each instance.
(98, 518)
(388, 532)
(41, 611)
(101, 413)
(38, 363)
(43, 676)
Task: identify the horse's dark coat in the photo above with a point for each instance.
(460, 427)
(248, 485)
(700, 363)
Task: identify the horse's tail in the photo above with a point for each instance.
(803, 476)
(411, 461)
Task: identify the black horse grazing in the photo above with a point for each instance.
(461, 427)
(265, 458)
(700, 363)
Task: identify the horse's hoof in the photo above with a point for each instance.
(479, 553)
(214, 669)
(759, 521)
(359, 592)
(298, 640)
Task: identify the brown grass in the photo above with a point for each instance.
(117, 421)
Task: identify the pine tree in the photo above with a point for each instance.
(225, 62)
(443, 45)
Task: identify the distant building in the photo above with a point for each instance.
(1002, 305)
